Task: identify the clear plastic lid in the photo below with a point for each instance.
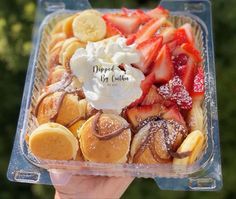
(205, 174)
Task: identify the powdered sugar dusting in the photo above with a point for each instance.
(175, 91)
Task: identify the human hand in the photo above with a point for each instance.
(89, 187)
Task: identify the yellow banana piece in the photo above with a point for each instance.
(68, 52)
(195, 117)
(89, 26)
(92, 11)
(76, 126)
(66, 43)
(194, 144)
(67, 25)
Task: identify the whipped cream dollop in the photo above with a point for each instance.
(106, 86)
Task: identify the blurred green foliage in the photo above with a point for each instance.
(16, 22)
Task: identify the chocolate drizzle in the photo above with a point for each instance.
(157, 124)
(146, 121)
(71, 123)
(96, 130)
(59, 104)
(64, 87)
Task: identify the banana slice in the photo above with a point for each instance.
(89, 27)
(195, 118)
(92, 11)
(65, 45)
(76, 126)
(68, 52)
(194, 144)
(67, 25)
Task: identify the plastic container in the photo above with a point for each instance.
(204, 174)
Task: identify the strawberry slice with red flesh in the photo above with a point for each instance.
(126, 24)
(146, 84)
(163, 68)
(158, 12)
(172, 45)
(148, 51)
(181, 37)
(130, 39)
(112, 30)
(149, 29)
(152, 97)
(189, 32)
(126, 11)
(198, 84)
(191, 51)
(168, 34)
(137, 114)
(175, 91)
(139, 13)
(173, 113)
(179, 61)
(186, 73)
(184, 34)
(142, 16)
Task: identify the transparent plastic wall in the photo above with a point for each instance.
(204, 175)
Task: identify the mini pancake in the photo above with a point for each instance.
(67, 25)
(65, 45)
(60, 107)
(53, 56)
(157, 141)
(55, 39)
(68, 53)
(74, 128)
(56, 74)
(54, 142)
(105, 146)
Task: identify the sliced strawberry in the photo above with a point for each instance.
(163, 67)
(142, 16)
(168, 34)
(181, 37)
(126, 24)
(172, 45)
(139, 13)
(191, 51)
(187, 73)
(152, 97)
(179, 60)
(137, 114)
(189, 32)
(148, 51)
(158, 12)
(149, 29)
(111, 30)
(175, 91)
(198, 83)
(173, 113)
(126, 11)
(184, 34)
(146, 84)
(130, 39)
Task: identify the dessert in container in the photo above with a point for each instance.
(204, 174)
